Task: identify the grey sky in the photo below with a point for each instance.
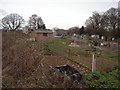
(57, 13)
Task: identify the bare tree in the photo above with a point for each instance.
(112, 15)
(36, 22)
(103, 24)
(91, 27)
(73, 30)
(12, 22)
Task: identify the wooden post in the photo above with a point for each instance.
(69, 52)
(93, 63)
(0, 59)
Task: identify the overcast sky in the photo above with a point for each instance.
(57, 13)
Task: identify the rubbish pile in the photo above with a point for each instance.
(71, 72)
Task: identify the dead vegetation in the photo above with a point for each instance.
(25, 65)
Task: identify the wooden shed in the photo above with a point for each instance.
(42, 35)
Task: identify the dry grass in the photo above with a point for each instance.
(26, 66)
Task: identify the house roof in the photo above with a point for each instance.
(45, 31)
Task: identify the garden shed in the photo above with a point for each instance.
(42, 35)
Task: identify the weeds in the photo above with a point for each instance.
(102, 80)
(77, 62)
(110, 56)
(47, 49)
(7, 84)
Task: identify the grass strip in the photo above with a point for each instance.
(71, 59)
